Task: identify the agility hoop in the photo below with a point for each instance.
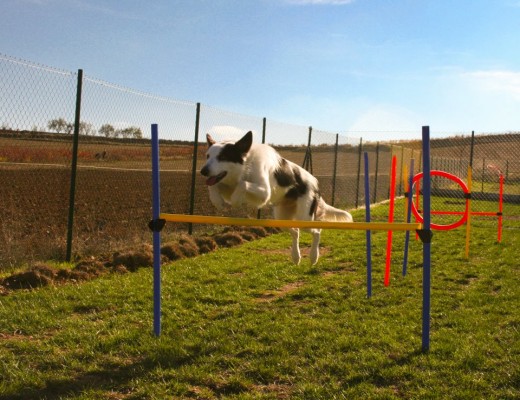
(464, 188)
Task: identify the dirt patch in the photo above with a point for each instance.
(37, 276)
(134, 259)
(129, 260)
(272, 295)
(206, 244)
(229, 239)
(304, 250)
(40, 275)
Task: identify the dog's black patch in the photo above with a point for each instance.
(230, 153)
(314, 205)
(283, 174)
(299, 187)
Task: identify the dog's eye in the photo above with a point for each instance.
(207, 156)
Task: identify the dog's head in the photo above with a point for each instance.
(225, 159)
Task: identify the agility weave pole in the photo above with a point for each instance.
(159, 220)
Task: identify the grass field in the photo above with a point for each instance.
(244, 323)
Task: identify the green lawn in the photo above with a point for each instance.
(245, 323)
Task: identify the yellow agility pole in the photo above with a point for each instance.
(283, 223)
(468, 221)
(405, 185)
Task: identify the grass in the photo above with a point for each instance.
(244, 323)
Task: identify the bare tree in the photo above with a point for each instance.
(59, 125)
(107, 130)
(86, 129)
(131, 132)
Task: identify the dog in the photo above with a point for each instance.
(245, 173)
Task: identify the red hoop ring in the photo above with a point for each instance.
(463, 187)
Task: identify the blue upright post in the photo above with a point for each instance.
(156, 210)
(368, 233)
(408, 216)
(426, 239)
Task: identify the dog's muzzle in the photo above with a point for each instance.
(212, 180)
(205, 170)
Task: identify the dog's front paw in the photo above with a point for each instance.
(238, 198)
(216, 198)
(221, 205)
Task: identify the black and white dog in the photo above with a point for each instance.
(244, 173)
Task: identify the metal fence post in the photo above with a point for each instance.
(377, 171)
(471, 149)
(391, 155)
(358, 171)
(335, 169)
(74, 165)
(194, 166)
(307, 161)
(401, 172)
(264, 126)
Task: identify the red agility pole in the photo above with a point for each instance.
(390, 220)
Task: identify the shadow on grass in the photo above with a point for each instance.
(377, 378)
(118, 379)
(112, 378)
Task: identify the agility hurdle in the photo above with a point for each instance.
(285, 223)
(159, 220)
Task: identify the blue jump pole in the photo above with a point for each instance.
(408, 217)
(156, 210)
(368, 233)
(426, 239)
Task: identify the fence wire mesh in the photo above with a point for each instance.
(112, 191)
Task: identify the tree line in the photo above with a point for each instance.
(60, 125)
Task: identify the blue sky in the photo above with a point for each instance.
(354, 67)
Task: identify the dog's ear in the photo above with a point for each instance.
(244, 144)
(210, 140)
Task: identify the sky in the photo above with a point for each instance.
(373, 68)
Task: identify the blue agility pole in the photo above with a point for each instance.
(426, 239)
(155, 226)
(409, 201)
(368, 232)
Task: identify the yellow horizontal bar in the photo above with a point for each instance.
(280, 223)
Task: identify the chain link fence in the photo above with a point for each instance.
(75, 161)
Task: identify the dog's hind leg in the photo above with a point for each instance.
(295, 251)
(305, 210)
(281, 211)
(315, 246)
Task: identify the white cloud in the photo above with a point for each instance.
(386, 122)
(227, 132)
(503, 81)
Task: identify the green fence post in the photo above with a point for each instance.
(194, 166)
(74, 165)
(377, 171)
(358, 171)
(307, 161)
(335, 170)
(264, 125)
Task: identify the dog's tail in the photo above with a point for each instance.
(326, 212)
